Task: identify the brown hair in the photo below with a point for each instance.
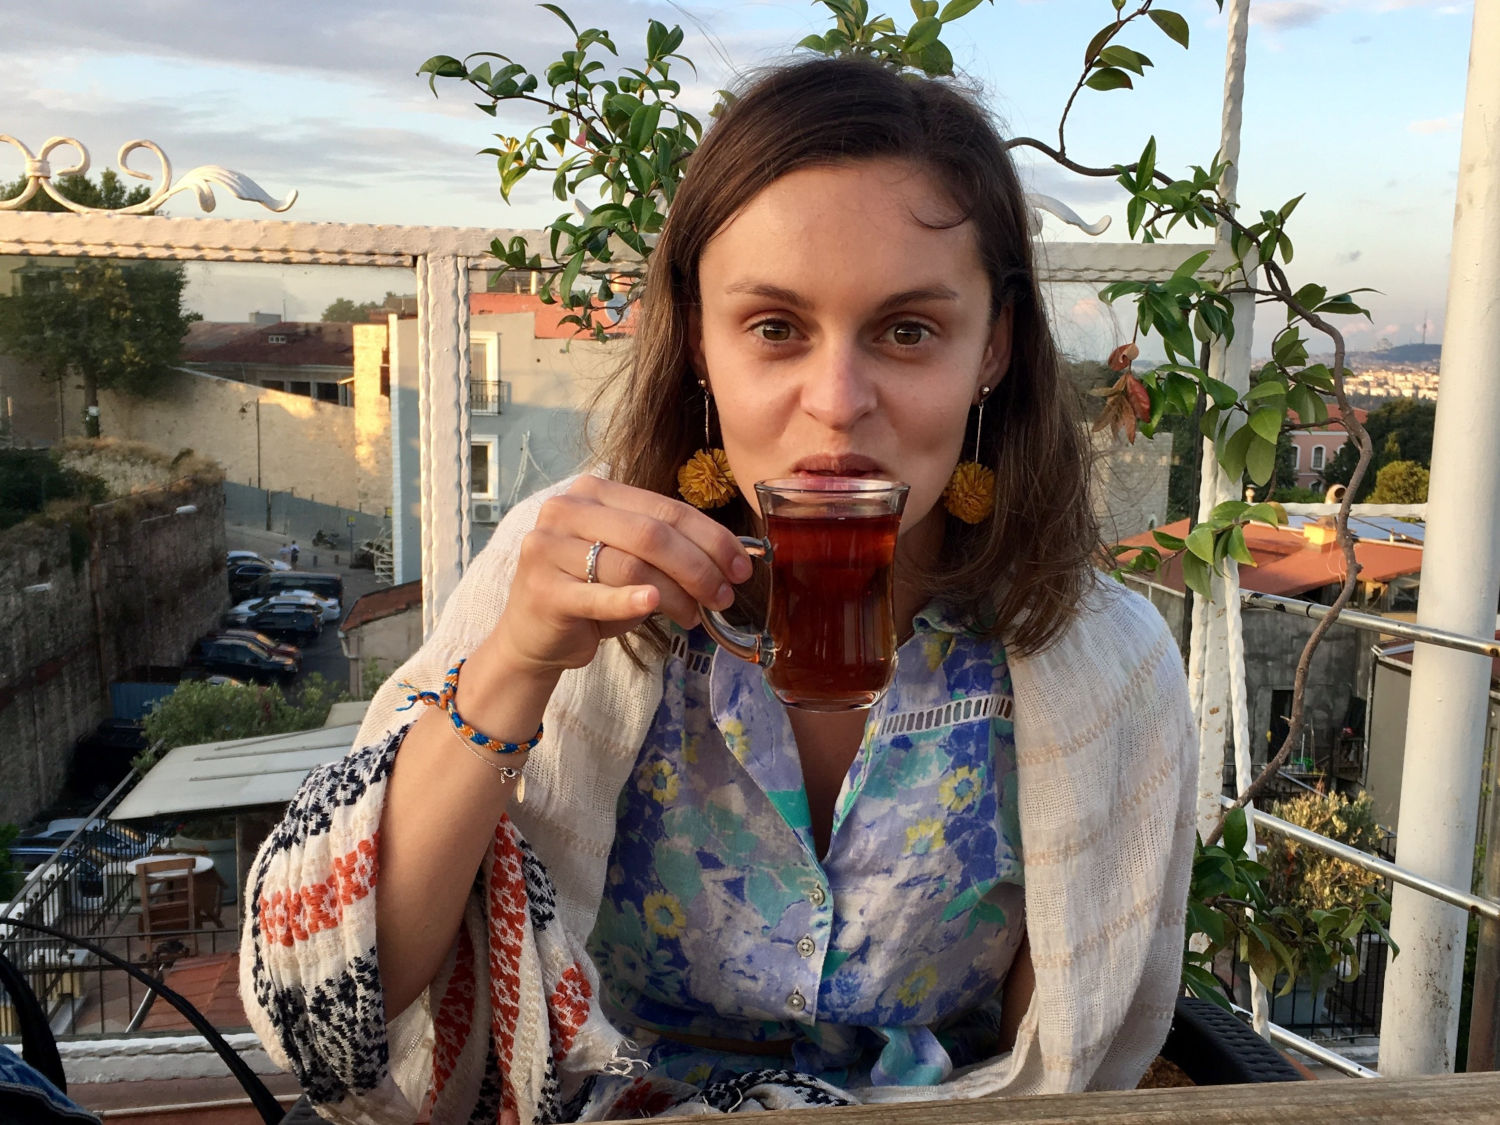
(1020, 575)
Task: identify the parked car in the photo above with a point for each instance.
(327, 609)
(324, 585)
(235, 557)
(101, 758)
(86, 877)
(270, 644)
(112, 841)
(243, 659)
(287, 621)
(245, 578)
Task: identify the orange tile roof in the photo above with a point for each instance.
(548, 318)
(385, 602)
(211, 984)
(1287, 564)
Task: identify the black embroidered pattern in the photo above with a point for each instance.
(790, 1087)
(487, 1107)
(539, 893)
(333, 1035)
(333, 786)
(548, 1109)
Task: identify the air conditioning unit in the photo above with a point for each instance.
(484, 511)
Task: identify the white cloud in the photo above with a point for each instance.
(1436, 124)
(1284, 14)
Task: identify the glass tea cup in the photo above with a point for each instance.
(829, 643)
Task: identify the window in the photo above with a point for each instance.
(1296, 456)
(482, 483)
(1318, 453)
(275, 339)
(485, 388)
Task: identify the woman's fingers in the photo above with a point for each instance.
(648, 539)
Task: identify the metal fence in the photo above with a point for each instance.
(85, 892)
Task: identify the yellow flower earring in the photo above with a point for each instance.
(706, 480)
(970, 495)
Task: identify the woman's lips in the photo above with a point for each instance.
(837, 465)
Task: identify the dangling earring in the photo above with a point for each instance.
(970, 495)
(706, 481)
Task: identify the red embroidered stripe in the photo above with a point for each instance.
(291, 916)
(507, 911)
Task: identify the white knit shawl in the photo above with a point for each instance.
(1106, 766)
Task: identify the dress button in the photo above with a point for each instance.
(816, 895)
(806, 946)
(796, 1002)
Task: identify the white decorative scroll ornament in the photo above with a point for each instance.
(200, 180)
(1038, 202)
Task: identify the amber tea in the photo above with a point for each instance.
(830, 637)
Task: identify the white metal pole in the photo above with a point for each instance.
(1209, 666)
(1460, 576)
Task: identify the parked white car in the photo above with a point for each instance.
(327, 609)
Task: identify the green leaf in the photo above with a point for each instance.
(560, 14)
(1225, 514)
(1266, 513)
(956, 9)
(1260, 460)
(1208, 426)
(1234, 450)
(1192, 265)
(1167, 542)
(1267, 423)
(1174, 25)
(1236, 831)
(1196, 575)
(1200, 542)
(1223, 394)
(1124, 58)
(1109, 79)
(922, 34)
(1204, 985)
(1237, 549)
(441, 66)
(569, 276)
(1101, 37)
(1202, 920)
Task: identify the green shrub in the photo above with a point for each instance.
(202, 712)
(30, 479)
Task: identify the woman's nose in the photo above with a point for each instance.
(838, 389)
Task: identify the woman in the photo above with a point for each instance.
(776, 905)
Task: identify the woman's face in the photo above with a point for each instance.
(840, 335)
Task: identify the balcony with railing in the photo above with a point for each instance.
(1407, 1004)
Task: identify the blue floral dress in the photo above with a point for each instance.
(878, 963)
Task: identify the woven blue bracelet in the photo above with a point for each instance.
(445, 700)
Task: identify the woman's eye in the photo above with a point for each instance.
(909, 334)
(773, 331)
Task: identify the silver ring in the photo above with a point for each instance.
(592, 568)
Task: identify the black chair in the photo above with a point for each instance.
(1216, 1048)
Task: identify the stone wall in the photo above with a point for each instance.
(129, 582)
(338, 455)
(1273, 645)
(1130, 484)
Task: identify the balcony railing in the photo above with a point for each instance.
(487, 396)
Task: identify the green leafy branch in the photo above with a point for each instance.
(1206, 546)
(1230, 906)
(628, 133)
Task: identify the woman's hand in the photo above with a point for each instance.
(658, 554)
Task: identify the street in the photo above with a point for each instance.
(324, 655)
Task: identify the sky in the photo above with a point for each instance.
(1357, 103)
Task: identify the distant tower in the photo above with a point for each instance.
(1424, 327)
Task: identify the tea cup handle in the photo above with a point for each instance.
(754, 647)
